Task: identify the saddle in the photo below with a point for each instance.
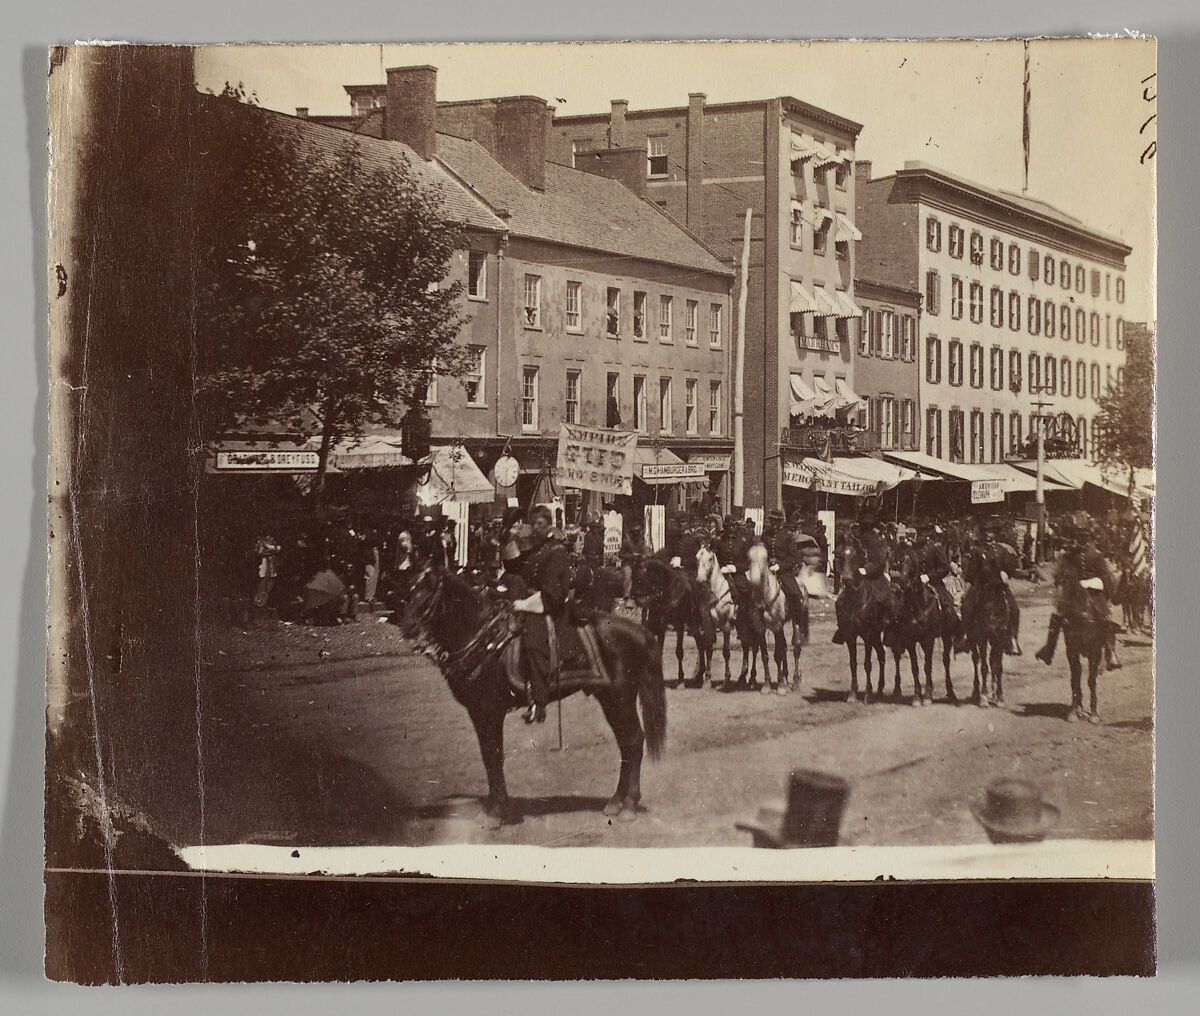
(574, 656)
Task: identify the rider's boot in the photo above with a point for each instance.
(536, 711)
(1046, 653)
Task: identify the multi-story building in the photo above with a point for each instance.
(591, 306)
(886, 370)
(1022, 309)
(791, 163)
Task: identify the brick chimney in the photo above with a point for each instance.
(411, 114)
(521, 122)
(302, 112)
(626, 165)
(862, 170)
(695, 159)
(616, 123)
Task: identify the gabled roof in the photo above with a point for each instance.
(578, 209)
(460, 206)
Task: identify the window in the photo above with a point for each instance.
(976, 248)
(1080, 326)
(997, 369)
(1066, 376)
(933, 432)
(933, 234)
(574, 311)
(955, 244)
(842, 249)
(908, 338)
(957, 437)
(933, 292)
(841, 172)
(997, 436)
(1048, 264)
(956, 297)
(1095, 321)
(1035, 265)
(1014, 434)
(933, 360)
(887, 421)
(996, 257)
(714, 407)
(613, 313)
(976, 435)
(866, 334)
(1081, 427)
(954, 371)
(1081, 380)
(572, 400)
(1108, 379)
(1095, 282)
(1080, 279)
(1108, 331)
(639, 404)
(690, 409)
(1120, 377)
(714, 326)
(691, 314)
(976, 365)
(997, 308)
(908, 423)
(477, 275)
(1034, 315)
(1014, 259)
(1108, 285)
(664, 319)
(1014, 370)
(639, 316)
(821, 238)
(612, 400)
(1095, 379)
(533, 301)
(1064, 274)
(656, 155)
(1120, 331)
(665, 419)
(1035, 373)
(1049, 318)
(1014, 312)
(473, 380)
(1120, 290)
(1065, 322)
(976, 302)
(887, 335)
(529, 398)
(1050, 381)
(797, 225)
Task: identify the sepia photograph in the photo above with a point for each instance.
(601, 465)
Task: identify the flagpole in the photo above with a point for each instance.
(1025, 117)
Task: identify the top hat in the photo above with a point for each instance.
(811, 816)
(1012, 811)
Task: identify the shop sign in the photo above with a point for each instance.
(672, 471)
(595, 458)
(711, 463)
(986, 491)
(266, 461)
(811, 474)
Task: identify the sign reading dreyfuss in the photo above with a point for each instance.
(267, 461)
(594, 458)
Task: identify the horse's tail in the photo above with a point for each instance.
(652, 694)
(802, 620)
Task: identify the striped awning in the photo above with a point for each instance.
(848, 307)
(803, 301)
(827, 306)
(844, 229)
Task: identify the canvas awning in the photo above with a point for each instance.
(801, 396)
(826, 305)
(454, 477)
(846, 397)
(803, 301)
(844, 229)
(823, 397)
(661, 465)
(371, 452)
(1075, 473)
(826, 155)
(802, 147)
(862, 477)
(1014, 480)
(848, 307)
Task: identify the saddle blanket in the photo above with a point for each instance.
(574, 655)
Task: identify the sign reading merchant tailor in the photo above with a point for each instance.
(594, 458)
(986, 491)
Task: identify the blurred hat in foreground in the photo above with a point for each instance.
(1013, 811)
(811, 816)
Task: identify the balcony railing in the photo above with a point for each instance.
(840, 440)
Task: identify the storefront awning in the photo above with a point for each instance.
(1013, 480)
(826, 305)
(844, 229)
(846, 397)
(803, 301)
(454, 477)
(801, 395)
(824, 400)
(857, 477)
(1075, 473)
(661, 465)
(802, 147)
(848, 307)
(371, 452)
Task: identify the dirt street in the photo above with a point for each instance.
(344, 735)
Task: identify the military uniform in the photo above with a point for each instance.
(1081, 562)
(787, 556)
(985, 569)
(547, 569)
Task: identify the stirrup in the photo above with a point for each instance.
(534, 714)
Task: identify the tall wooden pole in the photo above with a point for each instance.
(739, 374)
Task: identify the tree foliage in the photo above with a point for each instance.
(1123, 433)
(320, 276)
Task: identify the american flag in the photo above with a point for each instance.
(1138, 557)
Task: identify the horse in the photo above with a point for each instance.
(776, 612)
(860, 616)
(452, 616)
(988, 633)
(920, 620)
(670, 598)
(727, 612)
(1086, 631)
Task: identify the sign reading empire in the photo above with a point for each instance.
(593, 458)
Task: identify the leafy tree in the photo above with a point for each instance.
(1123, 434)
(320, 267)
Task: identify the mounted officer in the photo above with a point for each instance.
(991, 565)
(871, 581)
(932, 566)
(1081, 565)
(786, 553)
(546, 567)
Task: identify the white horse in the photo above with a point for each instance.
(726, 616)
(776, 613)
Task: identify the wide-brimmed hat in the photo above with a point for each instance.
(811, 816)
(1013, 811)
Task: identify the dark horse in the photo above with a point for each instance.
(453, 617)
(861, 615)
(1086, 630)
(920, 619)
(988, 630)
(673, 599)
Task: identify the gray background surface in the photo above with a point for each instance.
(30, 28)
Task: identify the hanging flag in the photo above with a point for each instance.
(1025, 115)
(1137, 553)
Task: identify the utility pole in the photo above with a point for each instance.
(1040, 490)
(739, 374)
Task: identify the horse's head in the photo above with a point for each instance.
(758, 564)
(706, 563)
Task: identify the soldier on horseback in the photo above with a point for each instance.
(786, 554)
(932, 565)
(872, 581)
(546, 567)
(1081, 566)
(990, 567)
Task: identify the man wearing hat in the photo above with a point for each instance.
(933, 564)
(874, 584)
(1081, 563)
(593, 544)
(786, 553)
(633, 552)
(547, 569)
(992, 566)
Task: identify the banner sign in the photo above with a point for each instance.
(651, 471)
(267, 461)
(812, 474)
(986, 491)
(614, 526)
(593, 458)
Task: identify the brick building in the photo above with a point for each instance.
(886, 371)
(590, 305)
(791, 163)
(1020, 302)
